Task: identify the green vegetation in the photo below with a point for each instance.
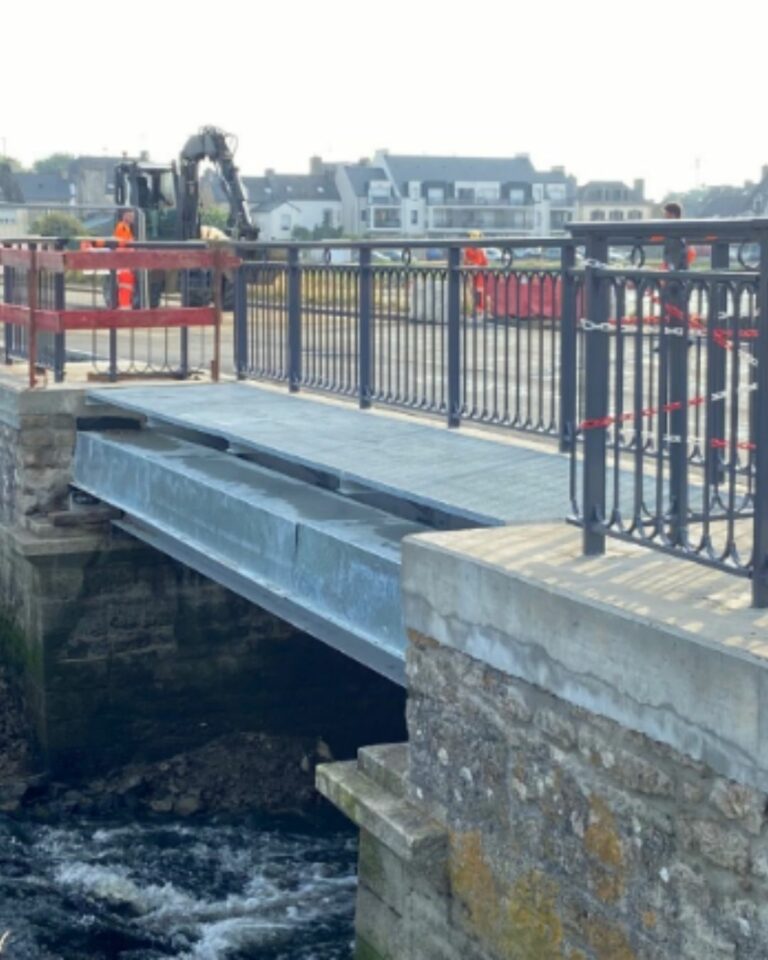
(55, 163)
(318, 233)
(213, 217)
(58, 224)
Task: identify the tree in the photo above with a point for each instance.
(55, 163)
(213, 217)
(11, 162)
(58, 224)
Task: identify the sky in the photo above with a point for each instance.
(665, 91)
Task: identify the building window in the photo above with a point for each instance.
(556, 192)
(285, 221)
(616, 215)
(487, 194)
(363, 216)
(465, 193)
(517, 195)
(327, 218)
(597, 215)
(559, 218)
(414, 218)
(435, 194)
(635, 215)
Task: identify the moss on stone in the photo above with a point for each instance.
(522, 924)
(603, 843)
(608, 942)
(16, 651)
(364, 950)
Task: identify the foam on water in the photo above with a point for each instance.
(211, 891)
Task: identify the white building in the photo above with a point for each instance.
(441, 196)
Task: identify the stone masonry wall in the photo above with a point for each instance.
(37, 441)
(127, 655)
(570, 837)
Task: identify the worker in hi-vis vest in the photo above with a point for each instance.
(126, 280)
(475, 257)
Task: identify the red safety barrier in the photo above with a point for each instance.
(35, 319)
(522, 298)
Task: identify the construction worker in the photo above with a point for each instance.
(126, 280)
(475, 257)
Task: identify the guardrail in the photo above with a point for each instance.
(463, 339)
(50, 292)
(672, 405)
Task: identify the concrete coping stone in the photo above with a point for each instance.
(393, 821)
(662, 646)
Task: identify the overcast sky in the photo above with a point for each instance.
(668, 90)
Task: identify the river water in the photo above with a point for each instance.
(214, 889)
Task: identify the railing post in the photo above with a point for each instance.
(218, 304)
(294, 320)
(596, 356)
(32, 301)
(113, 297)
(454, 335)
(185, 296)
(59, 303)
(365, 339)
(8, 280)
(716, 363)
(674, 297)
(568, 321)
(240, 321)
(760, 436)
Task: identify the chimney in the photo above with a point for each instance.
(639, 186)
(364, 162)
(316, 166)
(558, 170)
(269, 172)
(764, 172)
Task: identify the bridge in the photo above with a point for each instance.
(300, 505)
(585, 773)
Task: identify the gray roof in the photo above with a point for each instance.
(43, 187)
(287, 186)
(451, 169)
(360, 176)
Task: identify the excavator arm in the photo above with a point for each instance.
(214, 145)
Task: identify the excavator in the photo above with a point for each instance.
(169, 196)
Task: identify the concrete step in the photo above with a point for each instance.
(395, 822)
(387, 765)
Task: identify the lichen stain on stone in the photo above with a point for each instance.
(535, 930)
(649, 920)
(422, 640)
(521, 925)
(474, 884)
(608, 942)
(603, 843)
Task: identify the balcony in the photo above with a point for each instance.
(502, 202)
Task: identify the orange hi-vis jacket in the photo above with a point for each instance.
(123, 233)
(125, 278)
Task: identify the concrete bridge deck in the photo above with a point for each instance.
(478, 481)
(301, 505)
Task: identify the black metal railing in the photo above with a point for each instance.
(671, 405)
(422, 325)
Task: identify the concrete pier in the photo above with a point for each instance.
(585, 775)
